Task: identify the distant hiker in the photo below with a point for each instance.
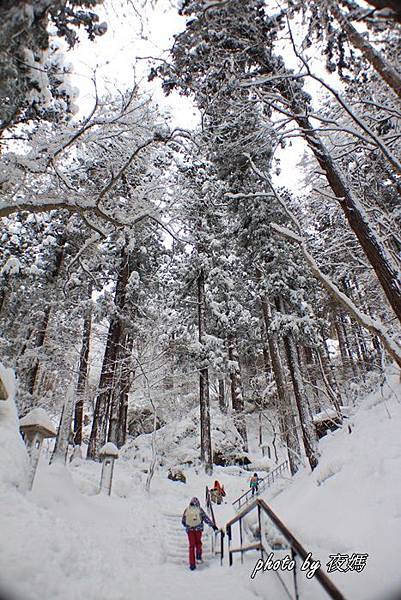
(254, 484)
(215, 496)
(219, 488)
(193, 518)
(217, 493)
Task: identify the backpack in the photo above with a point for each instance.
(193, 516)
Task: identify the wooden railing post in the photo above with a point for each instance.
(325, 582)
(260, 532)
(294, 572)
(240, 540)
(230, 556)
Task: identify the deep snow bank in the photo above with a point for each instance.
(351, 503)
(13, 455)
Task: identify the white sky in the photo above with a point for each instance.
(116, 59)
(116, 56)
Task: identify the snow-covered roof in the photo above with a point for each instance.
(109, 449)
(38, 418)
(325, 415)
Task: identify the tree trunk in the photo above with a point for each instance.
(307, 363)
(3, 291)
(380, 64)
(307, 427)
(354, 329)
(82, 375)
(113, 402)
(355, 214)
(103, 400)
(64, 431)
(341, 340)
(237, 400)
(222, 395)
(331, 391)
(204, 399)
(361, 340)
(364, 341)
(349, 349)
(39, 341)
(324, 361)
(41, 333)
(119, 404)
(265, 350)
(127, 376)
(287, 424)
(100, 416)
(375, 340)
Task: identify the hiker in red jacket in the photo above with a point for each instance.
(193, 518)
(218, 492)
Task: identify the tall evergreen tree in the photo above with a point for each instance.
(232, 48)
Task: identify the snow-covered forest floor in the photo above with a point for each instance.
(64, 541)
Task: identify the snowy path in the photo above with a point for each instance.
(66, 542)
(63, 541)
(175, 540)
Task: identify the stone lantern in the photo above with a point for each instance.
(36, 426)
(108, 454)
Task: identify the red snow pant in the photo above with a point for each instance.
(195, 544)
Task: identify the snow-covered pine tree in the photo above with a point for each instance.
(283, 92)
(33, 73)
(236, 132)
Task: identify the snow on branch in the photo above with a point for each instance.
(76, 201)
(378, 141)
(372, 325)
(209, 4)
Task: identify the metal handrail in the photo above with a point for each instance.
(296, 547)
(264, 481)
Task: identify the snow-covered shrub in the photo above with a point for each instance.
(178, 442)
(141, 420)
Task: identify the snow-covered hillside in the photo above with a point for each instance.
(352, 502)
(64, 541)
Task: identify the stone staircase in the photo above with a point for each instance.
(176, 540)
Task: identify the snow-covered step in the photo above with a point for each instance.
(178, 555)
(175, 541)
